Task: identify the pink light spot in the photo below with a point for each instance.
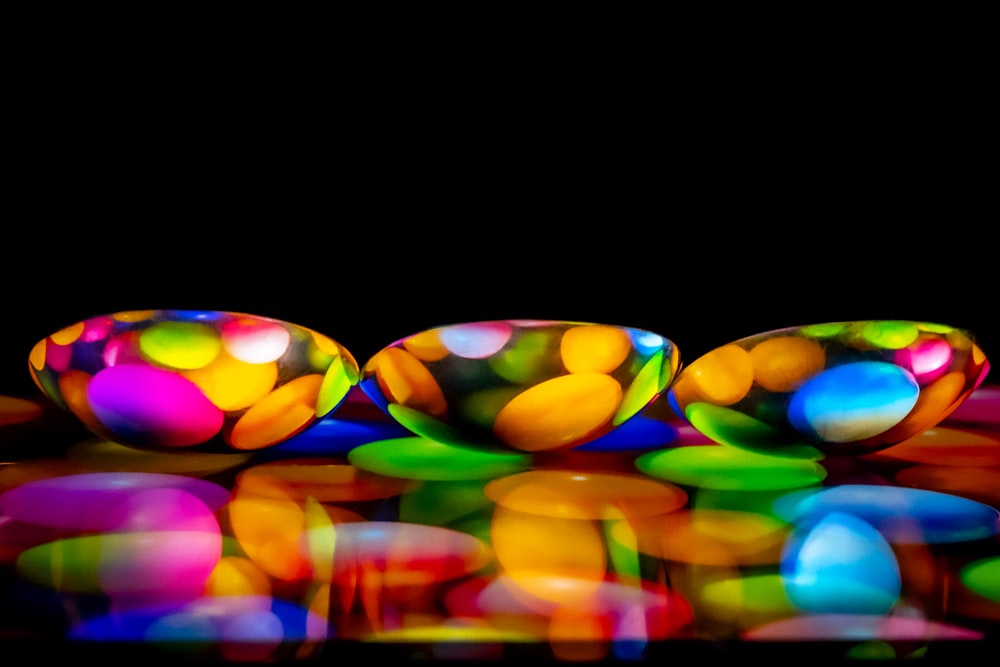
(255, 341)
(153, 406)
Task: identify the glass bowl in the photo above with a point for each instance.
(186, 379)
(527, 385)
(838, 388)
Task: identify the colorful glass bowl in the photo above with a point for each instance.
(527, 385)
(205, 380)
(840, 388)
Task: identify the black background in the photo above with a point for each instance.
(708, 195)
(704, 232)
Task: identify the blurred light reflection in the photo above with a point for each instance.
(358, 531)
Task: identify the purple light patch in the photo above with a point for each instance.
(94, 501)
(153, 406)
(859, 627)
(982, 406)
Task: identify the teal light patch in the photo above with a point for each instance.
(724, 467)
(730, 427)
(424, 459)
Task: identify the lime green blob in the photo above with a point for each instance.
(983, 577)
(531, 359)
(423, 424)
(723, 467)
(754, 501)
(481, 407)
(68, 565)
(759, 594)
(317, 357)
(425, 459)
(337, 381)
(644, 388)
(932, 327)
(875, 649)
(827, 330)
(442, 503)
(232, 547)
(668, 367)
(49, 383)
(623, 550)
(730, 427)
(183, 345)
(890, 334)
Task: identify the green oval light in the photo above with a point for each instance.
(421, 458)
(725, 467)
